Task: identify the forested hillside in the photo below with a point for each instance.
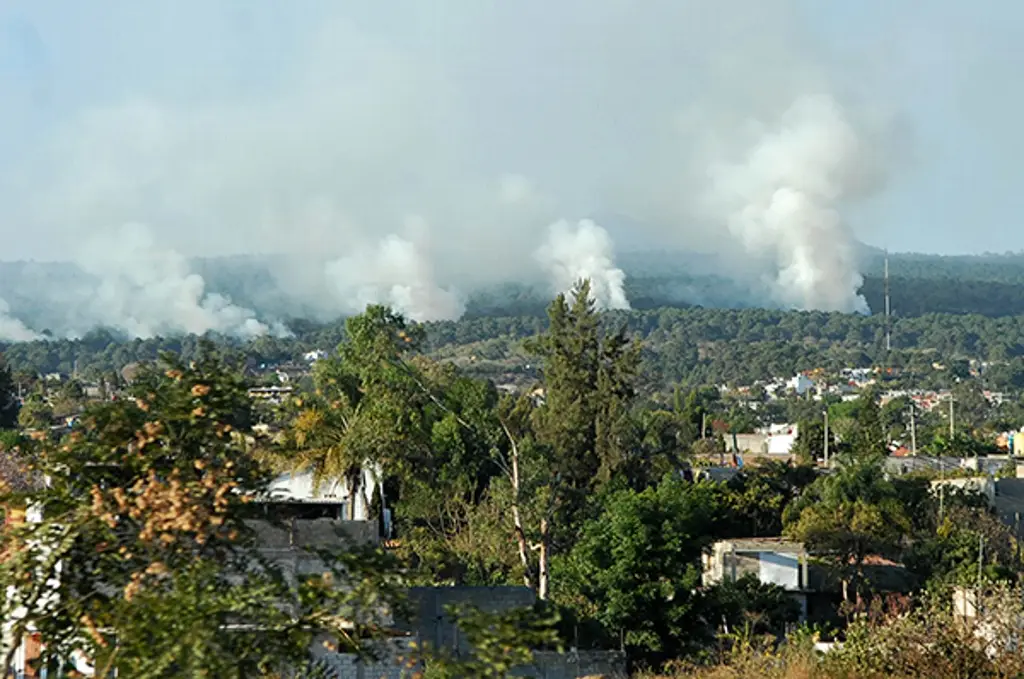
(681, 346)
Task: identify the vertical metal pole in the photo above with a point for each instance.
(942, 487)
(826, 437)
(981, 565)
(952, 428)
(913, 430)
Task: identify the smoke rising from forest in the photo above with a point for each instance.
(410, 157)
(584, 251)
(782, 200)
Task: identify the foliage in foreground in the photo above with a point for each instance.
(141, 560)
(895, 638)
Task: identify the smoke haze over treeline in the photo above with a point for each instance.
(415, 154)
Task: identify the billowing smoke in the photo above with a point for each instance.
(11, 329)
(580, 251)
(782, 203)
(299, 136)
(396, 273)
(145, 288)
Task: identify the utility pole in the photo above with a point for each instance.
(981, 567)
(942, 464)
(942, 488)
(703, 424)
(952, 429)
(981, 562)
(826, 437)
(913, 431)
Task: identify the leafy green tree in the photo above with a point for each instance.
(367, 408)
(757, 608)
(895, 416)
(971, 409)
(635, 567)
(810, 441)
(966, 538)
(869, 435)
(695, 409)
(142, 559)
(36, 413)
(961, 445)
(453, 510)
(848, 515)
(757, 497)
(662, 439)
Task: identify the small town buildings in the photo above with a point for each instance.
(801, 384)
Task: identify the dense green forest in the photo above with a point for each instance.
(681, 346)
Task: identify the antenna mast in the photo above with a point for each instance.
(888, 325)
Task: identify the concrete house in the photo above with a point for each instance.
(332, 496)
(773, 561)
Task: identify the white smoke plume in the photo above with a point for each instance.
(302, 132)
(584, 251)
(11, 329)
(783, 199)
(394, 272)
(145, 289)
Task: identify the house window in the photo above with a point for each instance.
(780, 569)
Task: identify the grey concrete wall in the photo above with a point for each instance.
(574, 665)
(388, 661)
(391, 663)
(324, 533)
(432, 625)
(429, 624)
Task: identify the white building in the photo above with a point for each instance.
(781, 444)
(774, 561)
(299, 488)
(801, 384)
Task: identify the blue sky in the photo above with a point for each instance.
(233, 125)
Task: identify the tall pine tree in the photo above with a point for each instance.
(589, 382)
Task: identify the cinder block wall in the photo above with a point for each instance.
(391, 663)
(573, 665)
(431, 624)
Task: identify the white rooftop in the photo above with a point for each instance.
(298, 487)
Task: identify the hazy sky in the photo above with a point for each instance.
(261, 125)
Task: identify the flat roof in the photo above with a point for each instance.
(776, 544)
